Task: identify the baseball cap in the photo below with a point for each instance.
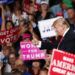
(26, 35)
(44, 2)
(68, 3)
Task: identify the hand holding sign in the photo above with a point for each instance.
(36, 42)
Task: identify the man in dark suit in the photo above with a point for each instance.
(63, 29)
(67, 42)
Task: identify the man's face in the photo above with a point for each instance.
(6, 52)
(12, 59)
(71, 13)
(64, 6)
(59, 29)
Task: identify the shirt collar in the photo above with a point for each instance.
(66, 32)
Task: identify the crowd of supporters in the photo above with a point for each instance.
(25, 18)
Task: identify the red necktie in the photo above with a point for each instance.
(59, 42)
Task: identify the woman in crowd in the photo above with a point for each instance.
(6, 25)
(43, 13)
(36, 66)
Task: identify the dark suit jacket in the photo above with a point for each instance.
(68, 42)
(49, 44)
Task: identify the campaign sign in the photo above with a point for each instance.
(31, 52)
(62, 63)
(9, 35)
(46, 29)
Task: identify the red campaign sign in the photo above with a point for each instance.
(62, 63)
(9, 35)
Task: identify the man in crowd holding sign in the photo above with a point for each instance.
(67, 42)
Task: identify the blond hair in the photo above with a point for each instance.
(61, 21)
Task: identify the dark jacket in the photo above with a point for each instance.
(68, 42)
(50, 43)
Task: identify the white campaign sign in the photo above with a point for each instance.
(46, 29)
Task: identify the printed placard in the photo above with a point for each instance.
(9, 35)
(31, 52)
(62, 63)
(46, 29)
